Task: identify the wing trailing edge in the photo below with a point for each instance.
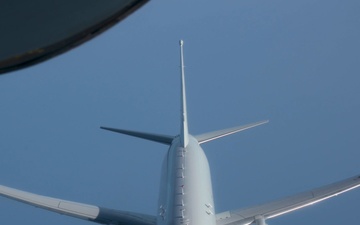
(288, 204)
(73, 209)
(203, 138)
(78, 210)
(164, 139)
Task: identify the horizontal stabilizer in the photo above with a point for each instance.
(78, 210)
(222, 133)
(164, 139)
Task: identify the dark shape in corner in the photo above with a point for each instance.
(37, 30)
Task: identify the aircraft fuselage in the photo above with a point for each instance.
(186, 191)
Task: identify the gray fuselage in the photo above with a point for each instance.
(186, 192)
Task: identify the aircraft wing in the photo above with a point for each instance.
(78, 210)
(287, 204)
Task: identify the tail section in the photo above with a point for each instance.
(164, 139)
(184, 131)
(222, 133)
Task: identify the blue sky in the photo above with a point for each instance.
(295, 63)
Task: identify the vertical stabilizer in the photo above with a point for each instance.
(184, 134)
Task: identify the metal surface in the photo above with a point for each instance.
(288, 204)
(185, 191)
(34, 31)
(203, 138)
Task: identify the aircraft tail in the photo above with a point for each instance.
(222, 133)
(184, 131)
(164, 139)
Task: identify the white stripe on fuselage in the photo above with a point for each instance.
(186, 192)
